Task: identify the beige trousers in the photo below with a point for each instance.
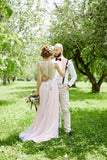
(64, 103)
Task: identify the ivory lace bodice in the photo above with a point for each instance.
(48, 69)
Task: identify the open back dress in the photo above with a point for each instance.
(45, 124)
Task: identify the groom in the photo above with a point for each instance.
(64, 85)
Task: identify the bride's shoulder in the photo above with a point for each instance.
(53, 61)
(39, 63)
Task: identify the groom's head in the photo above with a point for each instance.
(58, 50)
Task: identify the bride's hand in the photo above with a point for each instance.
(64, 61)
(37, 93)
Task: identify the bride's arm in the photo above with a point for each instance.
(38, 79)
(61, 71)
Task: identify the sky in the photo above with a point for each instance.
(50, 3)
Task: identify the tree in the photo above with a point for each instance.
(81, 28)
(7, 40)
(20, 26)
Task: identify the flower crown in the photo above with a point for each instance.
(50, 50)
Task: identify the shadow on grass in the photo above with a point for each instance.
(89, 129)
(6, 102)
(11, 140)
(26, 87)
(82, 95)
(21, 94)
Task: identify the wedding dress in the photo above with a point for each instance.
(45, 124)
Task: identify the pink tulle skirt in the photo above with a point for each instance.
(45, 124)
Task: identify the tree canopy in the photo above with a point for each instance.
(81, 28)
(79, 25)
(21, 25)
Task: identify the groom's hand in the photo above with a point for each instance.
(44, 78)
(66, 86)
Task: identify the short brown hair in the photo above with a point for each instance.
(45, 51)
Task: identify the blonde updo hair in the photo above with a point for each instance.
(46, 51)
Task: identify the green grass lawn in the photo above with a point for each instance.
(88, 119)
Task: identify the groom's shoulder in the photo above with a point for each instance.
(69, 60)
(65, 58)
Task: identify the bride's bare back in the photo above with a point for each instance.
(48, 69)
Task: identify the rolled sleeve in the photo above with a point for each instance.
(72, 72)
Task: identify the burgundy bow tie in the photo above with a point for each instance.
(58, 59)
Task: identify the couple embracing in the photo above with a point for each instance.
(53, 88)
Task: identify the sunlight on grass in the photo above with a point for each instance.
(88, 120)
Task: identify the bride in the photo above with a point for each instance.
(46, 122)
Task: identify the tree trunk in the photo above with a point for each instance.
(74, 85)
(4, 79)
(85, 70)
(13, 79)
(95, 87)
(8, 80)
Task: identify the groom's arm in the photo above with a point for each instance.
(72, 72)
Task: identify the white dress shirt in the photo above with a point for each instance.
(70, 70)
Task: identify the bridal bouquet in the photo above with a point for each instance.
(34, 100)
